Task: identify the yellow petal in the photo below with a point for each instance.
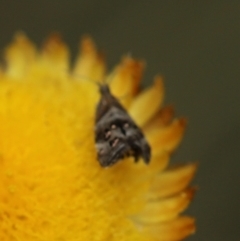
(156, 165)
(90, 64)
(147, 103)
(166, 208)
(171, 181)
(159, 161)
(19, 56)
(124, 80)
(161, 119)
(55, 55)
(174, 230)
(168, 138)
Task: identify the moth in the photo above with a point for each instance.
(116, 134)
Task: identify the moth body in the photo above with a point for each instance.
(116, 134)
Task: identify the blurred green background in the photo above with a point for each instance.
(195, 46)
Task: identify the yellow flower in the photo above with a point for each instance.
(52, 186)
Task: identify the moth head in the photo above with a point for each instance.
(104, 89)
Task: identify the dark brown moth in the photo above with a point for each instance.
(116, 134)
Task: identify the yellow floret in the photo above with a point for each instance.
(52, 186)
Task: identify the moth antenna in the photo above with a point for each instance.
(97, 82)
(83, 77)
(110, 77)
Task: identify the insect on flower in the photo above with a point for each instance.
(41, 98)
(116, 134)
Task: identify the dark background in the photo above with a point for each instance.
(195, 46)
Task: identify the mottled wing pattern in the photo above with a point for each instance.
(116, 134)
